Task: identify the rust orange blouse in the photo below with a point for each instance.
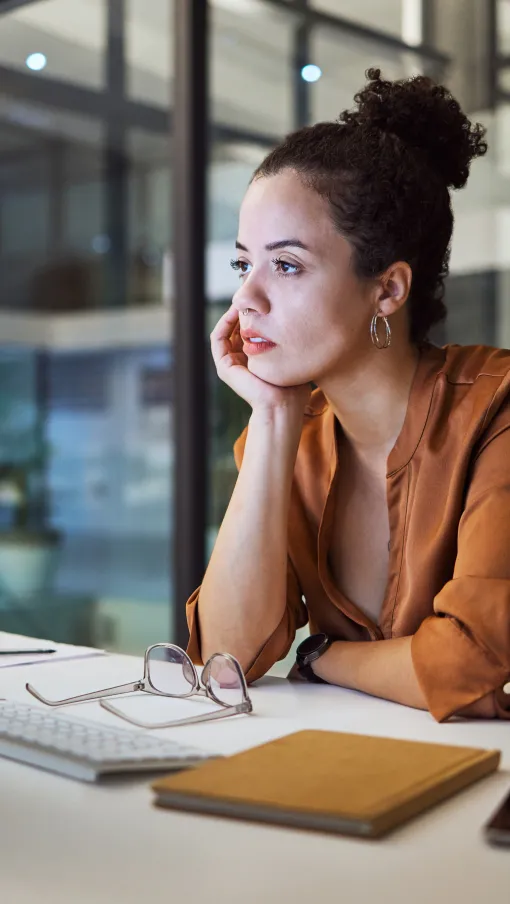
(448, 489)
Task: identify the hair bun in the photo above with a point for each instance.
(424, 116)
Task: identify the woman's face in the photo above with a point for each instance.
(298, 284)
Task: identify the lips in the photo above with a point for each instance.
(246, 335)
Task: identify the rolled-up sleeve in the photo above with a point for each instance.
(462, 652)
(279, 643)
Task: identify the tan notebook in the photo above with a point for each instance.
(330, 781)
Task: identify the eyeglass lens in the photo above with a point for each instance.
(223, 680)
(170, 671)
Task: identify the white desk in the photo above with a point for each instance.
(65, 842)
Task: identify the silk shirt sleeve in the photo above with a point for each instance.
(462, 652)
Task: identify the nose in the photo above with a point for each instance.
(250, 296)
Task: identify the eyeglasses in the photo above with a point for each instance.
(169, 672)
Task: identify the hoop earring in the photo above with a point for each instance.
(374, 334)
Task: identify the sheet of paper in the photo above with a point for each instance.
(20, 642)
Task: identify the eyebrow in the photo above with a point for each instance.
(277, 246)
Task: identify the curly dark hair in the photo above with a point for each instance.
(385, 168)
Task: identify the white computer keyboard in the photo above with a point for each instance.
(84, 749)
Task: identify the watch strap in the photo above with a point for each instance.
(307, 672)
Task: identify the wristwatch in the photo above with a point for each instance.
(307, 652)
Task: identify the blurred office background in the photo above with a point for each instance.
(114, 472)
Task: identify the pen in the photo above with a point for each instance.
(23, 652)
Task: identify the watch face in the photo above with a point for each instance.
(310, 644)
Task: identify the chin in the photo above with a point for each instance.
(278, 375)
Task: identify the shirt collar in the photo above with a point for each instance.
(430, 364)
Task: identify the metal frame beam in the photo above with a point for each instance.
(301, 58)
(313, 17)
(116, 160)
(190, 135)
(7, 6)
(96, 104)
(495, 61)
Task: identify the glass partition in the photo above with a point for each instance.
(86, 456)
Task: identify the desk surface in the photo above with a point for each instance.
(63, 841)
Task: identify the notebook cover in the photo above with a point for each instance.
(331, 781)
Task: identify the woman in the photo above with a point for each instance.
(376, 507)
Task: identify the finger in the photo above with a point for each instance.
(220, 349)
(221, 334)
(236, 339)
(226, 323)
(233, 359)
(234, 372)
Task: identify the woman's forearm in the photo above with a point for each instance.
(384, 669)
(243, 594)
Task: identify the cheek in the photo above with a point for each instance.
(313, 318)
(307, 350)
(322, 319)
(317, 322)
(329, 297)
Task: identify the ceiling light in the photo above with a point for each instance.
(36, 61)
(101, 244)
(311, 73)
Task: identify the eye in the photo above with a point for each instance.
(285, 268)
(240, 266)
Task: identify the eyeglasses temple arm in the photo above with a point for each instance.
(245, 707)
(94, 695)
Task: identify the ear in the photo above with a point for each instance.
(393, 287)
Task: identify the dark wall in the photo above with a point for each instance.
(471, 302)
